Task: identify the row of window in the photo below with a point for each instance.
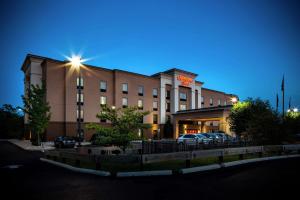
(103, 88)
(211, 101)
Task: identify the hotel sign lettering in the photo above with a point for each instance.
(185, 81)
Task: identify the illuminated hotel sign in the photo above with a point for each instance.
(185, 81)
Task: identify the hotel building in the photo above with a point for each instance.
(172, 95)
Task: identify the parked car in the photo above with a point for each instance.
(190, 139)
(64, 141)
(203, 139)
(210, 136)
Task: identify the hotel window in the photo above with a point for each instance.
(81, 115)
(125, 88)
(103, 86)
(182, 107)
(225, 103)
(211, 102)
(202, 100)
(80, 99)
(168, 118)
(168, 107)
(102, 100)
(141, 91)
(168, 94)
(103, 120)
(141, 120)
(219, 102)
(79, 82)
(140, 104)
(182, 96)
(155, 105)
(155, 118)
(124, 102)
(154, 92)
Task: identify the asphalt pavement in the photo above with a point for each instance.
(24, 176)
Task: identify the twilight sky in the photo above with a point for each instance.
(236, 46)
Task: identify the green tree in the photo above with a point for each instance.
(292, 125)
(38, 110)
(11, 119)
(255, 120)
(125, 123)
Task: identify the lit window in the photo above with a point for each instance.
(140, 104)
(225, 103)
(81, 115)
(202, 100)
(141, 90)
(103, 100)
(219, 102)
(155, 106)
(124, 102)
(79, 82)
(182, 107)
(211, 102)
(125, 88)
(182, 96)
(154, 92)
(103, 86)
(155, 118)
(80, 100)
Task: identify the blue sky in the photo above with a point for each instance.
(242, 47)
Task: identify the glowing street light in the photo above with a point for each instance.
(295, 109)
(288, 110)
(234, 100)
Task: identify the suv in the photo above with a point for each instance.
(64, 141)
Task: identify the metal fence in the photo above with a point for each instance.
(169, 146)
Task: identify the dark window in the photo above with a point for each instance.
(168, 107)
(168, 94)
(103, 120)
(155, 119)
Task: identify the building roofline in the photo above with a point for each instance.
(215, 108)
(176, 69)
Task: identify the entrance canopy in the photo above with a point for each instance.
(202, 120)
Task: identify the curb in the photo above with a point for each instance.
(200, 169)
(77, 169)
(241, 162)
(145, 173)
(167, 172)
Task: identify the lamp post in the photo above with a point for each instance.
(75, 61)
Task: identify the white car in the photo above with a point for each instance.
(190, 139)
(203, 139)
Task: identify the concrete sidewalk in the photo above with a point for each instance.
(26, 145)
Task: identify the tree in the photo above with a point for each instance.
(38, 111)
(11, 119)
(125, 123)
(292, 125)
(255, 120)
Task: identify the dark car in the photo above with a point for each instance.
(64, 141)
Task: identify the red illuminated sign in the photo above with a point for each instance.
(185, 81)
